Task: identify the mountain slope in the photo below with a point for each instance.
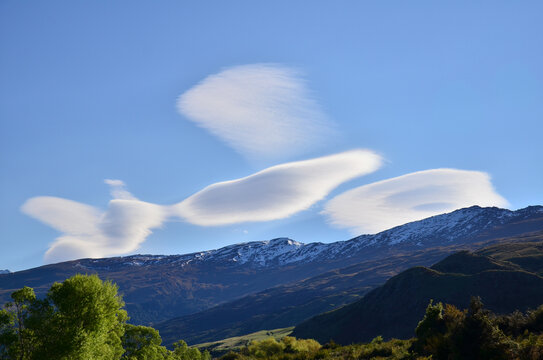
(161, 287)
(290, 304)
(495, 273)
(158, 288)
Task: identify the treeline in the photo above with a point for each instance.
(81, 318)
(445, 333)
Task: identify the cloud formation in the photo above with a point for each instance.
(276, 192)
(273, 193)
(118, 190)
(90, 232)
(382, 205)
(260, 110)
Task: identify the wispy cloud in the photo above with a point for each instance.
(276, 192)
(118, 190)
(260, 110)
(90, 232)
(381, 205)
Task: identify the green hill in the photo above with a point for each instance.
(507, 277)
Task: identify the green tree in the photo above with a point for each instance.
(431, 330)
(8, 335)
(293, 345)
(16, 338)
(143, 343)
(479, 337)
(267, 348)
(181, 351)
(81, 318)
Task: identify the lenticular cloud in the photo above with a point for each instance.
(276, 192)
(382, 205)
(273, 193)
(90, 232)
(260, 110)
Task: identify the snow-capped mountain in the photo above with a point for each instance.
(351, 268)
(449, 227)
(159, 287)
(440, 229)
(6, 271)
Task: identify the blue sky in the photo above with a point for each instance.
(94, 90)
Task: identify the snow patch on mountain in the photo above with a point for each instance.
(444, 228)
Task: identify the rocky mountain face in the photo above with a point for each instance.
(161, 287)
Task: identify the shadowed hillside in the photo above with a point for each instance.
(288, 305)
(497, 274)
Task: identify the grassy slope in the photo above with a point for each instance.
(235, 343)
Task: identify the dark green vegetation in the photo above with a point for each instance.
(81, 318)
(444, 333)
(507, 277)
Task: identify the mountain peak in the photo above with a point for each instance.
(283, 241)
(441, 229)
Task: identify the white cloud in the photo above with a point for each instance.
(64, 215)
(118, 190)
(273, 193)
(260, 110)
(382, 205)
(89, 232)
(276, 192)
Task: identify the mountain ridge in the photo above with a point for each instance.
(283, 251)
(160, 287)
